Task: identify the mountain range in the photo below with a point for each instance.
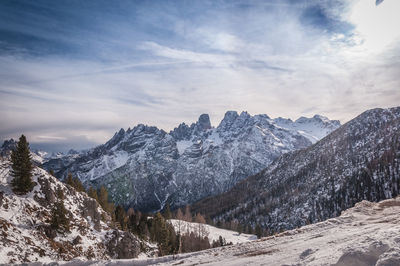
(358, 161)
(146, 167)
(303, 197)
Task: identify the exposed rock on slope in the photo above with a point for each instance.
(145, 167)
(360, 160)
(26, 235)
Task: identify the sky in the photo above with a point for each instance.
(72, 73)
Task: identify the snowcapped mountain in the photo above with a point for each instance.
(360, 160)
(145, 167)
(314, 128)
(26, 235)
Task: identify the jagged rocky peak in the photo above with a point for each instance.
(232, 121)
(228, 120)
(11, 143)
(202, 125)
(7, 147)
(118, 136)
(182, 132)
(204, 122)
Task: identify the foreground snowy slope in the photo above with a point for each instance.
(26, 234)
(145, 167)
(367, 234)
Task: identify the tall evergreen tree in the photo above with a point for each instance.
(59, 220)
(102, 195)
(92, 193)
(22, 167)
(188, 215)
(258, 230)
(167, 213)
(75, 183)
(120, 217)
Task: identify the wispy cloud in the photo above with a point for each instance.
(73, 73)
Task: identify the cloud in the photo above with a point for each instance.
(72, 74)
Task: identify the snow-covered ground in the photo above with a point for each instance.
(213, 232)
(368, 234)
(26, 236)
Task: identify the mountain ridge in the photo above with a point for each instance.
(190, 162)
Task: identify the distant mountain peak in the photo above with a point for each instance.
(203, 123)
(228, 120)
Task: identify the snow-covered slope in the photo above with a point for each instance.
(367, 234)
(25, 233)
(314, 128)
(145, 167)
(213, 233)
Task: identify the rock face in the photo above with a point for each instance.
(27, 236)
(358, 161)
(145, 167)
(7, 147)
(122, 245)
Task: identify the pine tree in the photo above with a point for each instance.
(75, 183)
(22, 167)
(120, 217)
(188, 215)
(239, 228)
(59, 220)
(69, 180)
(92, 193)
(160, 234)
(258, 231)
(102, 195)
(167, 213)
(78, 185)
(179, 216)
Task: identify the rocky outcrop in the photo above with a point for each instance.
(122, 245)
(27, 235)
(90, 208)
(7, 147)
